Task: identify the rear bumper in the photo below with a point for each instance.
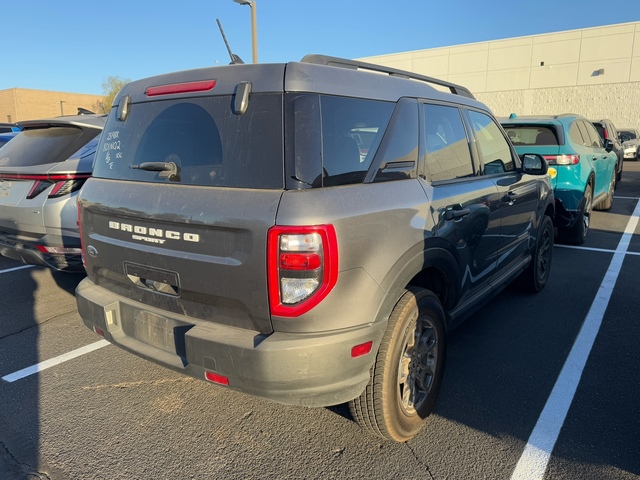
(26, 252)
(291, 368)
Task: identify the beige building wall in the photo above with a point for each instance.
(593, 72)
(18, 104)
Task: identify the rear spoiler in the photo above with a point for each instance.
(357, 65)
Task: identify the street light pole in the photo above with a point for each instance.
(254, 27)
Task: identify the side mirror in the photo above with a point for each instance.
(534, 164)
(608, 144)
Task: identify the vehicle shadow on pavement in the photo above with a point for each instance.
(342, 410)
(67, 281)
(28, 303)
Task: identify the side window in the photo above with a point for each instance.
(447, 148)
(351, 131)
(599, 128)
(398, 151)
(576, 134)
(493, 148)
(582, 126)
(596, 140)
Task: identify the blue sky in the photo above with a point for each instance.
(74, 45)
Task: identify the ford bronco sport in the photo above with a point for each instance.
(307, 232)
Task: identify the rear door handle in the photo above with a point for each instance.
(509, 198)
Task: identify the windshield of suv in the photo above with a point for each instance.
(200, 138)
(38, 146)
(531, 134)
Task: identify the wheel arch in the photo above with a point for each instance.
(435, 269)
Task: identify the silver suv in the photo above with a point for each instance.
(307, 232)
(41, 171)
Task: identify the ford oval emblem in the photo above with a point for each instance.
(92, 251)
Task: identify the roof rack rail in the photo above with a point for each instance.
(356, 65)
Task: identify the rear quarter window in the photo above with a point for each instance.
(332, 140)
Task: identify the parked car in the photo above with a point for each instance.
(307, 232)
(9, 127)
(607, 131)
(583, 166)
(6, 136)
(41, 170)
(630, 138)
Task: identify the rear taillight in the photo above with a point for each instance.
(302, 267)
(64, 187)
(62, 184)
(562, 159)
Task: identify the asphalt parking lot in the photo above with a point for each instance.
(536, 386)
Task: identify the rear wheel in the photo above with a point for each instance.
(406, 376)
(577, 233)
(607, 203)
(535, 277)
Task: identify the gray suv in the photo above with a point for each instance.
(41, 172)
(307, 232)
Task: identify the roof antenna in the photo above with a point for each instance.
(235, 59)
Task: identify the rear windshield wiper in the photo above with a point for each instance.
(169, 170)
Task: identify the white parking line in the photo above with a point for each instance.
(537, 453)
(16, 268)
(591, 249)
(25, 372)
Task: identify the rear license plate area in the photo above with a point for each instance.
(160, 332)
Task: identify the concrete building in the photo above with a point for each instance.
(593, 72)
(18, 104)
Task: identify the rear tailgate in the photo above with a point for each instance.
(21, 210)
(34, 168)
(208, 264)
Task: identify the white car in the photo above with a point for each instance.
(630, 139)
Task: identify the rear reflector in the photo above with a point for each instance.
(200, 86)
(216, 378)
(362, 349)
(99, 331)
(59, 250)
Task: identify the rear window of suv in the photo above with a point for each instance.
(39, 146)
(210, 145)
(531, 134)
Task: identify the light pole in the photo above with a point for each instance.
(254, 27)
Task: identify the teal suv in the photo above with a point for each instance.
(581, 166)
